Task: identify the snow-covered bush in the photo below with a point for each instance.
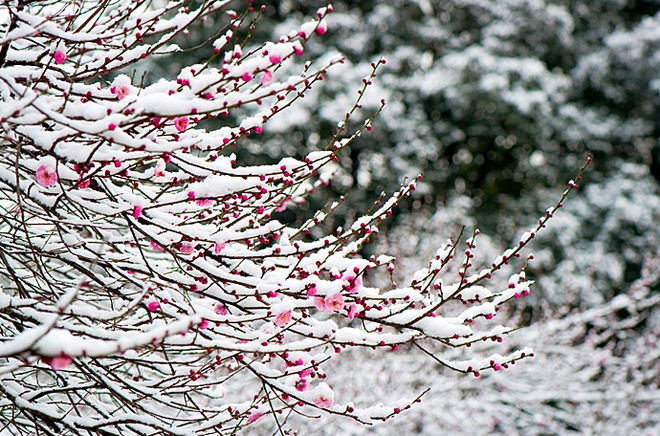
(148, 286)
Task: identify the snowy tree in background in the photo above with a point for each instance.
(148, 286)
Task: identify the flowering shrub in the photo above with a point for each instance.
(148, 286)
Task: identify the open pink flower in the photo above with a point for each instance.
(186, 248)
(301, 384)
(352, 311)
(46, 175)
(181, 123)
(319, 302)
(323, 401)
(59, 56)
(334, 303)
(58, 362)
(353, 283)
(266, 78)
(220, 309)
(283, 318)
(121, 91)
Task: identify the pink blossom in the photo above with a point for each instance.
(220, 309)
(156, 247)
(298, 50)
(153, 306)
(352, 311)
(353, 284)
(319, 303)
(84, 184)
(58, 362)
(266, 78)
(334, 303)
(283, 318)
(121, 91)
(203, 325)
(254, 416)
(321, 29)
(204, 202)
(275, 59)
(246, 76)
(159, 170)
(323, 401)
(181, 123)
(218, 247)
(301, 384)
(137, 211)
(46, 176)
(59, 56)
(186, 248)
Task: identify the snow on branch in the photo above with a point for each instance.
(147, 284)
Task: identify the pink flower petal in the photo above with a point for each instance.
(46, 176)
(323, 401)
(283, 318)
(60, 57)
(58, 362)
(181, 124)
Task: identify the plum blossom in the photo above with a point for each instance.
(120, 91)
(334, 303)
(283, 318)
(352, 311)
(323, 401)
(319, 302)
(121, 86)
(153, 306)
(275, 59)
(254, 416)
(137, 211)
(59, 56)
(353, 283)
(159, 170)
(220, 309)
(58, 362)
(46, 176)
(301, 384)
(266, 78)
(186, 248)
(181, 123)
(218, 247)
(324, 396)
(204, 202)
